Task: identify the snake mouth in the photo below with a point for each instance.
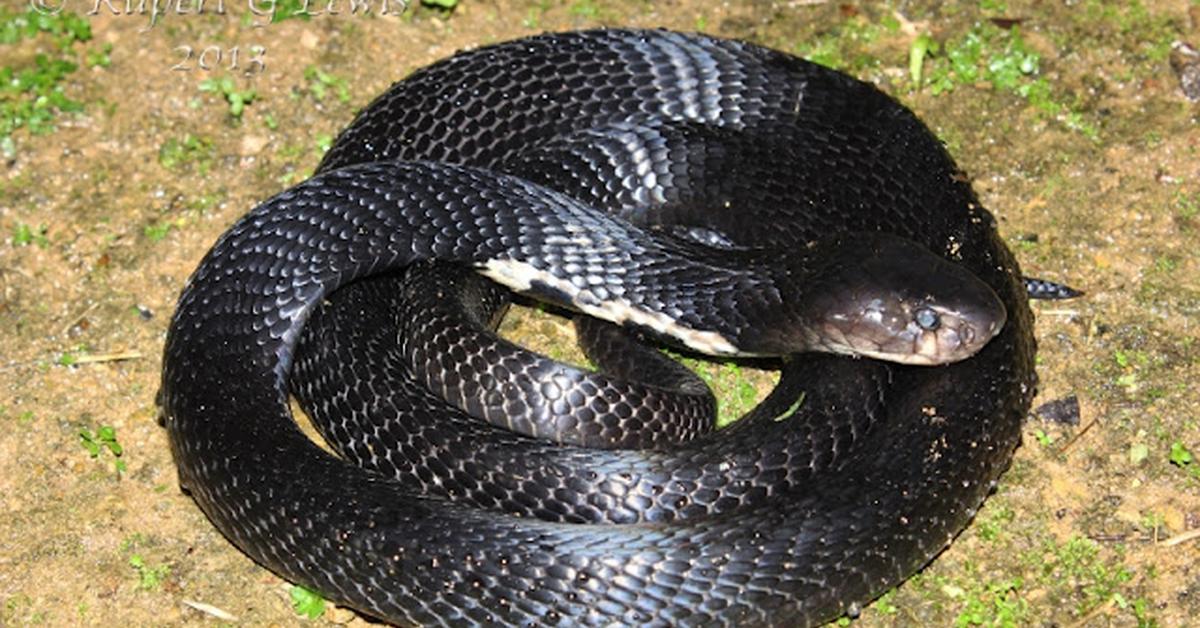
(956, 337)
(954, 340)
(926, 335)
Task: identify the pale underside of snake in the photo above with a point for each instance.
(708, 192)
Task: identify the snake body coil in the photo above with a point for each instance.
(797, 514)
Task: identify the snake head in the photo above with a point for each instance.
(891, 299)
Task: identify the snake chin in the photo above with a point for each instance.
(955, 339)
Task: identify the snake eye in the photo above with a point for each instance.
(927, 319)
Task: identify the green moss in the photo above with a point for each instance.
(291, 9)
(591, 11)
(65, 27)
(994, 521)
(32, 92)
(846, 47)
(19, 610)
(187, 153)
(150, 577)
(31, 97)
(1001, 58)
(307, 603)
(1181, 457)
(993, 604)
(157, 231)
(321, 84)
(237, 99)
(1186, 206)
(102, 440)
(1076, 575)
(738, 388)
(24, 235)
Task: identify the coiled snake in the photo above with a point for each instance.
(756, 204)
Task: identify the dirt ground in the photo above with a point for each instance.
(1088, 152)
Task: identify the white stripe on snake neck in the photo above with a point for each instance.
(520, 276)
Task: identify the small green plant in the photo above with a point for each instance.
(998, 57)
(533, 18)
(994, 604)
(917, 52)
(225, 86)
(966, 60)
(1165, 264)
(844, 48)
(791, 410)
(324, 142)
(1141, 611)
(993, 523)
(101, 58)
(1129, 363)
(736, 387)
(149, 578)
(1187, 206)
(587, 10)
(1077, 568)
(884, 604)
(290, 9)
(157, 231)
(1153, 521)
(320, 83)
(69, 358)
(444, 5)
(1043, 439)
(24, 235)
(103, 439)
(177, 154)
(31, 95)
(307, 603)
(1181, 457)
(64, 27)
(132, 541)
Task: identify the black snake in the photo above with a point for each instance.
(851, 475)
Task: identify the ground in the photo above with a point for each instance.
(122, 166)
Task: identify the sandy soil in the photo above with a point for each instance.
(1093, 525)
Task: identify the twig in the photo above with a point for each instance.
(211, 610)
(109, 357)
(1103, 609)
(1062, 313)
(1077, 436)
(76, 318)
(1190, 535)
(83, 359)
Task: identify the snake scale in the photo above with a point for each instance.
(850, 476)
